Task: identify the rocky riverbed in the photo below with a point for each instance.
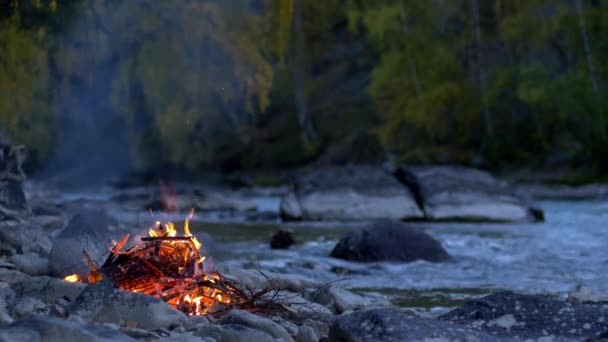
(365, 277)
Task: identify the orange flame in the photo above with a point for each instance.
(73, 278)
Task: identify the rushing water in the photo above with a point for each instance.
(555, 257)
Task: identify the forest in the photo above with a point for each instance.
(270, 84)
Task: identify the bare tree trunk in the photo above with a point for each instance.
(309, 135)
(587, 46)
(482, 74)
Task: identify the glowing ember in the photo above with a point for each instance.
(72, 278)
(168, 267)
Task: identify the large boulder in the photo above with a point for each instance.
(349, 193)
(89, 229)
(457, 193)
(521, 317)
(394, 325)
(387, 240)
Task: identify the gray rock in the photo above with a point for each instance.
(12, 276)
(14, 334)
(27, 306)
(290, 207)
(233, 333)
(51, 329)
(307, 334)
(339, 300)
(300, 309)
(31, 264)
(260, 323)
(466, 194)
(393, 325)
(520, 316)
(349, 193)
(48, 289)
(101, 302)
(390, 240)
(24, 238)
(90, 230)
(7, 298)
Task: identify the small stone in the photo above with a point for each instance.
(52, 329)
(282, 239)
(339, 300)
(257, 322)
(28, 306)
(306, 334)
(233, 333)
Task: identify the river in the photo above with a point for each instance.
(567, 251)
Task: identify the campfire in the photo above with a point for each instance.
(171, 268)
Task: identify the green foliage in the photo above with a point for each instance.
(24, 92)
(200, 83)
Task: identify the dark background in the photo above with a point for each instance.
(109, 87)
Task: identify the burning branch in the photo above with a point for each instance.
(170, 267)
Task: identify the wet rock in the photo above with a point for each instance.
(48, 289)
(466, 194)
(588, 295)
(521, 316)
(51, 329)
(282, 239)
(290, 207)
(349, 193)
(386, 240)
(89, 229)
(31, 264)
(256, 322)
(101, 302)
(24, 238)
(339, 300)
(233, 333)
(393, 325)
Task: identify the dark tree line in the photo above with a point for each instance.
(278, 83)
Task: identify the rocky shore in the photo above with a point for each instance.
(41, 241)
